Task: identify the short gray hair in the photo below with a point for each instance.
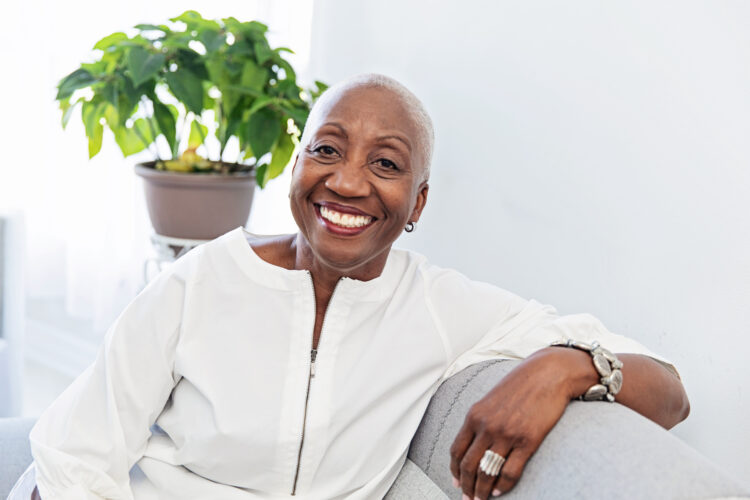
(373, 80)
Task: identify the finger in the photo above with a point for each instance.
(484, 482)
(470, 464)
(462, 442)
(512, 469)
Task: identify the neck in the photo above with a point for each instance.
(326, 276)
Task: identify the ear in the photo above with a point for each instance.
(420, 203)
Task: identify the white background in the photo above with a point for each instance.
(591, 155)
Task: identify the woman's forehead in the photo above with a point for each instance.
(373, 110)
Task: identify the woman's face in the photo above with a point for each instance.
(358, 180)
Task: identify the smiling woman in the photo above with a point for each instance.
(363, 156)
(191, 398)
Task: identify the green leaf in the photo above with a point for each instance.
(95, 140)
(280, 155)
(253, 76)
(262, 51)
(234, 121)
(143, 130)
(67, 108)
(259, 103)
(190, 59)
(128, 98)
(91, 114)
(288, 89)
(153, 27)
(260, 175)
(187, 88)
(144, 65)
(198, 134)
(78, 79)
(255, 27)
(112, 117)
(110, 40)
(240, 49)
(299, 115)
(128, 141)
(288, 70)
(262, 131)
(167, 124)
(212, 40)
(177, 41)
(111, 93)
(320, 87)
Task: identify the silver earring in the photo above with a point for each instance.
(410, 226)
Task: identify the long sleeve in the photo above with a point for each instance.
(481, 321)
(86, 442)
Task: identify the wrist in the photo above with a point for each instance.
(577, 372)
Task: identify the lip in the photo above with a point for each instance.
(344, 209)
(340, 230)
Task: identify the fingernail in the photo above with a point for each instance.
(465, 497)
(477, 498)
(455, 482)
(496, 492)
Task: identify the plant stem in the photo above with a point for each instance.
(223, 131)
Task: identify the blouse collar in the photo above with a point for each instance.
(281, 278)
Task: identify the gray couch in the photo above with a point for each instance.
(597, 450)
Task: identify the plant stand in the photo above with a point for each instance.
(168, 249)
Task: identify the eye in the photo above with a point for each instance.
(325, 150)
(386, 163)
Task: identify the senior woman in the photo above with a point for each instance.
(264, 367)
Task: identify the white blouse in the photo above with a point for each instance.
(207, 387)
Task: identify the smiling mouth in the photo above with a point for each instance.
(345, 220)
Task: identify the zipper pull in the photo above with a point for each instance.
(313, 355)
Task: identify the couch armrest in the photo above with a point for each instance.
(596, 450)
(15, 453)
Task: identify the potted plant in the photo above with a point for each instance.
(218, 109)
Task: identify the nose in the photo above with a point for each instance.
(349, 180)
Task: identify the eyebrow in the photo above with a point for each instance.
(396, 137)
(381, 138)
(342, 130)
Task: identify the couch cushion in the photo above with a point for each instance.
(15, 454)
(596, 450)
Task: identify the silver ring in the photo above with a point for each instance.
(491, 463)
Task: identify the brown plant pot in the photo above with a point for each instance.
(196, 206)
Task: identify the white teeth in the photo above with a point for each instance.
(345, 220)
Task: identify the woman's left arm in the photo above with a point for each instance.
(516, 415)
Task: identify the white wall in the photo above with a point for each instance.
(592, 155)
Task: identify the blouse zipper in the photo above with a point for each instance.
(313, 354)
(310, 376)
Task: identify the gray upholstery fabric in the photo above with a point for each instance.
(597, 450)
(413, 484)
(15, 455)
